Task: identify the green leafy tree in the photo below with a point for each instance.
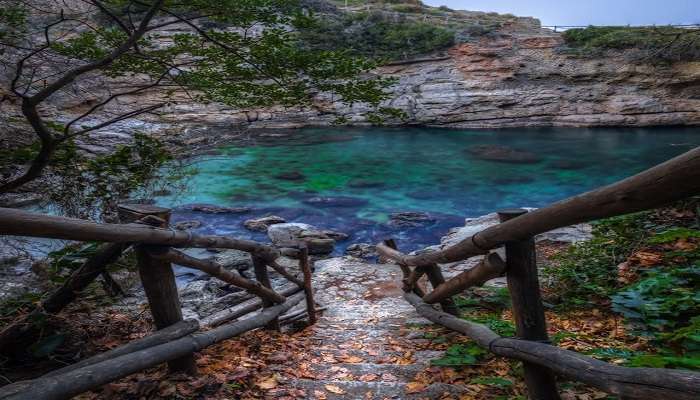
(242, 53)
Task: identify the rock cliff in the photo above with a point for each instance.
(507, 80)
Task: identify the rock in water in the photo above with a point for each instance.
(261, 224)
(339, 201)
(186, 225)
(410, 219)
(292, 234)
(212, 209)
(291, 176)
(505, 154)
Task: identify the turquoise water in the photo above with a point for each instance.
(376, 172)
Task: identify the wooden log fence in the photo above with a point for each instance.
(74, 382)
(674, 180)
(628, 383)
(145, 228)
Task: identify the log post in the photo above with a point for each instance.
(436, 278)
(406, 270)
(158, 280)
(260, 267)
(306, 270)
(524, 287)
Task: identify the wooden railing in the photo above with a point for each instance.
(673, 180)
(145, 229)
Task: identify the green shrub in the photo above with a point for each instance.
(586, 272)
(662, 43)
(377, 35)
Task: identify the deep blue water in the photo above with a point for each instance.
(380, 171)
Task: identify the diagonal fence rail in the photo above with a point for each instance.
(674, 180)
(146, 232)
(176, 340)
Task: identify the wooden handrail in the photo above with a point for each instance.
(216, 270)
(25, 223)
(628, 383)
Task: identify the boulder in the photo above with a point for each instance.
(186, 225)
(410, 219)
(291, 234)
(261, 224)
(234, 259)
(504, 154)
(339, 201)
(361, 250)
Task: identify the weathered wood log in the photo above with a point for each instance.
(283, 271)
(232, 313)
(436, 279)
(389, 250)
(260, 269)
(294, 315)
(111, 286)
(24, 331)
(25, 223)
(168, 334)
(627, 383)
(158, 280)
(492, 266)
(172, 332)
(215, 270)
(670, 181)
(411, 283)
(528, 312)
(64, 386)
(305, 267)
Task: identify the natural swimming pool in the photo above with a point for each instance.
(352, 180)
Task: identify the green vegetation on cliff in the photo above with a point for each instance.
(657, 43)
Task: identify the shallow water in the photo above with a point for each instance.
(381, 171)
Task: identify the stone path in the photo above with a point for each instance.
(366, 345)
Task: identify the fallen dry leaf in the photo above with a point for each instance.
(334, 389)
(414, 387)
(267, 383)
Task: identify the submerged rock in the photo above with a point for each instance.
(505, 154)
(339, 201)
(212, 209)
(262, 224)
(364, 184)
(186, 225)
(291, 176)
(410, 219)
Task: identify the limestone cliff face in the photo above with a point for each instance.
(516, 81)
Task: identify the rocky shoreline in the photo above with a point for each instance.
(203, 296)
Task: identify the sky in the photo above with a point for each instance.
(588, 12)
